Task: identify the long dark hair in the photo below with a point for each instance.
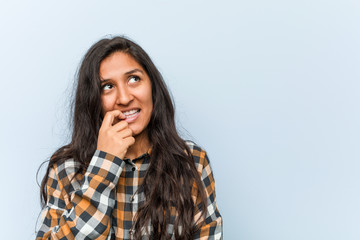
(171, 175)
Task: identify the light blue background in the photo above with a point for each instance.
(269, 88)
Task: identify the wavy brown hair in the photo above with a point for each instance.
(172, 173)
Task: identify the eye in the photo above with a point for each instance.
(134, 79)
(107, 86)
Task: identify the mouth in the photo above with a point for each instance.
(131, 115)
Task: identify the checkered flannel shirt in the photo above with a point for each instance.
(102, 203)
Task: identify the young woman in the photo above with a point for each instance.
(126, 173)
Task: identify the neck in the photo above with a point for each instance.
(141, 146)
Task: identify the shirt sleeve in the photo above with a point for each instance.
(86, 212)
(210, 227)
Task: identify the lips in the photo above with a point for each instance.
(131, 115)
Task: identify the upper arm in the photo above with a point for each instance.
(55, 205)
(210, 221)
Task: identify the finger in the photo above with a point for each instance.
(121, 116)
(125, 133)
(119, 126)
(118, 118)
(110, 116)
(129, 140)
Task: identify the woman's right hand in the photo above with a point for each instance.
(115, 139)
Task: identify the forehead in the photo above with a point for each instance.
(118, 63)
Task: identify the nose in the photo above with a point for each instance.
(124, 96)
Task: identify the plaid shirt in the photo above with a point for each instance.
(102, 203)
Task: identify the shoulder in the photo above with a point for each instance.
(61, 182)
(195, 149)
(64, 173)
(203, 166)
(199, 155)
(66, 169)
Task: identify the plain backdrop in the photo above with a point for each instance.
(269, 88)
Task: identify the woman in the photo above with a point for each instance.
(126, 173)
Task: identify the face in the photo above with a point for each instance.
(125, 86)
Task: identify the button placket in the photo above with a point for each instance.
(133, 199)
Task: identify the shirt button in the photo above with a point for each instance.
(131, 199)
(130, 232)
(133, 169)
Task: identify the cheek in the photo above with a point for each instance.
(106, 104)
(149, 103)
(144, 96)
(149, 98)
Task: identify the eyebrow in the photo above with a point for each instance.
(134, 71)
(127, 73)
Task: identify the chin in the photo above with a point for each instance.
(137, 132)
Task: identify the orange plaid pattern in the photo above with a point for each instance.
(102, 203)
